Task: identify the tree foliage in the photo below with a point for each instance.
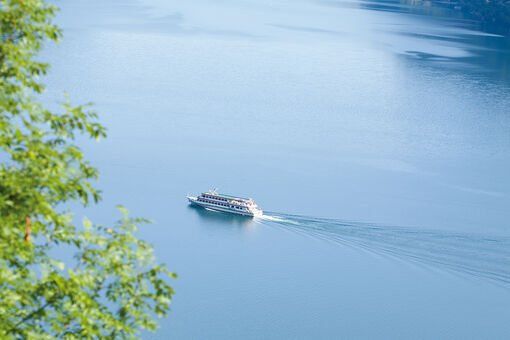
(112, 286)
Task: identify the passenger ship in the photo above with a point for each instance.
(232, 204)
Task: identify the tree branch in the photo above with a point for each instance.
(34, 313)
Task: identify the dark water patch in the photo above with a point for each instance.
(394, 6)
(485, 54)
(307, 29)
(427, 56)
(481, 256)
(432, 34)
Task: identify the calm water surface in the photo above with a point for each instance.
(374, 135)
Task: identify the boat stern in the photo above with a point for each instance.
(257, 212)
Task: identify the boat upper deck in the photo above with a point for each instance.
(229, 197)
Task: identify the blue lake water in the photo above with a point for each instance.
(375, 135)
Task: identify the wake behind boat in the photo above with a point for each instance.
(226, 203)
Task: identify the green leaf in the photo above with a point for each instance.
(42, 171)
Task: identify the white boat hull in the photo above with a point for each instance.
(194, 200)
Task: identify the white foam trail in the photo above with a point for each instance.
(484, 256)
(273, 218)
(278, 219)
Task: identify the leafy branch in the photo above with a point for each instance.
(116, 285)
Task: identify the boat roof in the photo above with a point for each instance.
(226, 196)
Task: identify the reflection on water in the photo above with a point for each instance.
(451, 40)
(436, 35)
(411, 7)
(207, 215)
(492, 60)
(481, 256)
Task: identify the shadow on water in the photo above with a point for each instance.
(487, 56)
(440, 26)
(222, 218)
(481, 256)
